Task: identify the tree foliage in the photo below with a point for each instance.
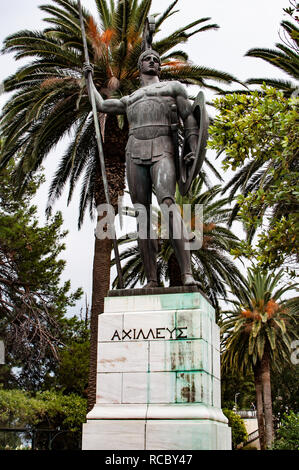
(284, 385)
(239, 433)
(67, 373)
(15, 411)
(70, 374)
(32, 299)
(260, 138)
(287, 436)
(44, 410)
(233, 382)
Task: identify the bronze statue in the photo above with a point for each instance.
(152, 155)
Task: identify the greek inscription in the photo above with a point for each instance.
(115, 335)
(158, 330)
(126, 334)
(181, 335)
(171, 332)
(152, 333)
(140, 332)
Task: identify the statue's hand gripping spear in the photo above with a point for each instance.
(99, 143)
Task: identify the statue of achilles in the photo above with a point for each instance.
(151, 154)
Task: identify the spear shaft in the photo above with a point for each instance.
(100, 145)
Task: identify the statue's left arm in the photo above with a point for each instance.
(185, 112)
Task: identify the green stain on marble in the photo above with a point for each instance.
(187, 355)
(194, 387)
(189, 300)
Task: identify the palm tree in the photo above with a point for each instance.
(50, 102)
(285, 58)
(257, 334)
(211, 263)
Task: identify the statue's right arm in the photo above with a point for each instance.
(105, 106)
(113, 106)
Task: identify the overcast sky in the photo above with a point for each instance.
(243, 24)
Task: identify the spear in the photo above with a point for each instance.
(99, 144)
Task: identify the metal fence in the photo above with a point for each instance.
(39, 439)
(247, 414)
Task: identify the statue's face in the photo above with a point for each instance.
(150, 65)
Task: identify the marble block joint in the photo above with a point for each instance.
(158, 375)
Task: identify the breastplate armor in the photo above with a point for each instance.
(150, 126)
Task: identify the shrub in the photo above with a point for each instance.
(62, 413)
(287, 436)
(239, 433)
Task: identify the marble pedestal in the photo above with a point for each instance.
(158, 376)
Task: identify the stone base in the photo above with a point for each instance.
(158, 381)
(155, 291)
(156, 435)
(156, 427)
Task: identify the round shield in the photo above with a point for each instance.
(187, 172)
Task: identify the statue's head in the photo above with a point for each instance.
(149, 62)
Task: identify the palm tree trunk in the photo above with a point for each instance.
(267, 399)
(259, 405)
(101, 281)
(114, 151)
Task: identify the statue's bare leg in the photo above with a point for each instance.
(164, 180)
(148, 244)
(140, 186)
